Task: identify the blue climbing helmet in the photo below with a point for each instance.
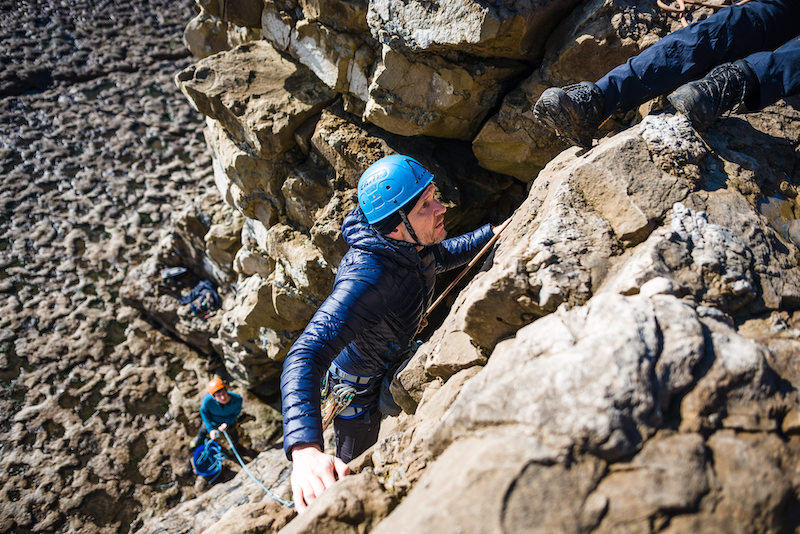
(388, 185)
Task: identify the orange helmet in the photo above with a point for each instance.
(215, 385)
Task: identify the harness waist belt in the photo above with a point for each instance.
(353, 379)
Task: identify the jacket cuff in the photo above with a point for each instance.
(301, 434)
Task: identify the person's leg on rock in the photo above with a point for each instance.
(682, 56)
(354, 436)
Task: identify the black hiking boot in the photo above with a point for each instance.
(573, 112)
(721, 91)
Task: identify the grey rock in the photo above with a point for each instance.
(261, 107)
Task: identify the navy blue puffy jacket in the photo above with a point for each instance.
(378, 300)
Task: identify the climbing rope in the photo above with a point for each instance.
(681, 9)
(210, 459)
(486, 247)
(277, 499)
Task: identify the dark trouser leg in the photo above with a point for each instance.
(689, 53)
(778, 74)
(201, 435)
(354, 436)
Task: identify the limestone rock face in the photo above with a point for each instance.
(596, 37)
(502, 29)
(624, 360)
(445, 99)
(347, 15)
(261, 107)
(205, 35)
(343, 61)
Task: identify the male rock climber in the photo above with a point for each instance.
(739, 42)
(219, 411)
(358, 336)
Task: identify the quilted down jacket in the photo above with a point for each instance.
(379, 297)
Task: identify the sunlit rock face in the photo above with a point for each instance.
(623, 360)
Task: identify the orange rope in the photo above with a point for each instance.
(681, 10)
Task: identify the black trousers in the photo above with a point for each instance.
(354, 436)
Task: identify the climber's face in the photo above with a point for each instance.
(427, 218)
(222, 396)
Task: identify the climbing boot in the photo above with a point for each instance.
(573, 112)
(721, 91)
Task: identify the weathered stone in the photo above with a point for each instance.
(305, 191)
(245, 13)
(347, 147)
(340, 60)
(513, 142)
(506, 29)
(611, 340)
(600, 35)
(300, 262)
(562, 257)
(426, 95)
(734, 391)
(578, 212)
(595, 38)
(261, 105)
(455, 353)
(263, 320)
(223, 240)
(342, 15)
(706, 260)
(667, 476)
(326, 234)
(353, 505)
(247, 182)
(276, 26)
(250, 259)
(482, 484)
(754, 489)
(401, 457)
(206, 35)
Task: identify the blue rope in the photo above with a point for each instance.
(288, 504)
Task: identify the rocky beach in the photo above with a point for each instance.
(98, 150)
(625, 360)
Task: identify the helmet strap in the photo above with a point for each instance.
(409, 228)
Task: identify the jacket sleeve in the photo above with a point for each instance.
(354, 305)
(457, 251)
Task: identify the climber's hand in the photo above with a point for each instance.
(313, 472)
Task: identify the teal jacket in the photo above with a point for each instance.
(214, 414)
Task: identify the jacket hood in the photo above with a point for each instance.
(359, 234)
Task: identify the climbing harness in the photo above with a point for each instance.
(338, 388)
(274, 497)
(681, 9)
(336, 397)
